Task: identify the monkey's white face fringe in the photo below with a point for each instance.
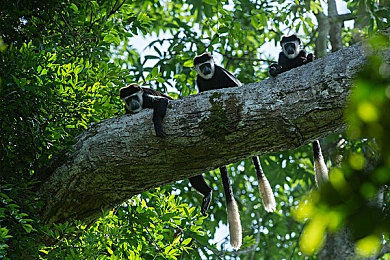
(296, 52)
(140, 100)
(321, 171)
(266, 194)
(235, 228)
(200, 72)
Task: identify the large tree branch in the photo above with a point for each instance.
(121, 157)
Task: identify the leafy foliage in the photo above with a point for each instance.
(358, 193)
(157, 225)
(61, 66)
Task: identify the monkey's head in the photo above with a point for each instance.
(291, 46)
(204, 65)
(131, 95)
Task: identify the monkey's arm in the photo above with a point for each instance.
(159, 105)
(286, 64)
(282, 65)
(199, 184)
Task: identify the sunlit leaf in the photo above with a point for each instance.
(313, 235)
(368, 112)
(186, 241)
(188, 63)
(210, 2)
(368, 246)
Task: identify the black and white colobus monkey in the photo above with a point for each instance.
(211, 76)
(136, 98)
(290, 57)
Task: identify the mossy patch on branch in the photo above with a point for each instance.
(223, 117)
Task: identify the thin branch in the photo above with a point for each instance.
(335, 27)
(342, 17)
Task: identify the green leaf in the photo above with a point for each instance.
(210, 2)
(110, 38)
(188, 64)
(186, 241)
(43, 72)
(28, 228)
(74, 7)
(109, 250)
(223, 29)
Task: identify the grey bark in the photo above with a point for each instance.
(330, 26)
(338, 246)
(322, 38)
(121, 157)
(335, 26)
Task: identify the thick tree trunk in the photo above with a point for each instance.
(121, 157)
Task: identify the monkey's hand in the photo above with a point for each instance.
(274, 69)
(158, 127)
(206, 203)
(160, 132)
(310, 57)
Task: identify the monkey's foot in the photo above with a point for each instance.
(206, 203)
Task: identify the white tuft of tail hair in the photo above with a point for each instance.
(266, 194)
(235, 228)
(321, 171)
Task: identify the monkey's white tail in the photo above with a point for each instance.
(265, 189)
(320, 168)
(232, 211)
(266, 194)
(235, 228)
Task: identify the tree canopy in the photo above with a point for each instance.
(62, 64)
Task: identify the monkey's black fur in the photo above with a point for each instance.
(137, 98)
(211, 76)
(290, 45)
(220, 79)
(198, 183)
(217, 78)
(291, 57)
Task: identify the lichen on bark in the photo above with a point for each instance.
(223, 117)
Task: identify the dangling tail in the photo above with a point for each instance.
(320, 168)
(233, 216)
(264, 187)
